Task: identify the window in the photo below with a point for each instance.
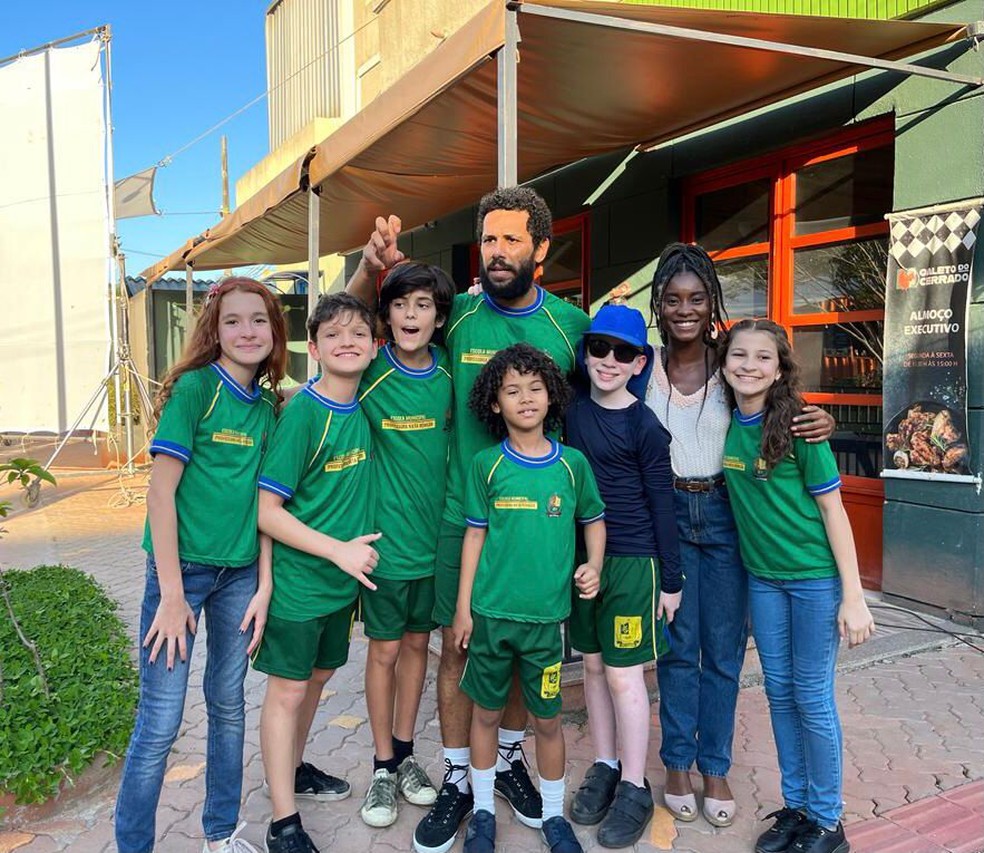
(800, 237)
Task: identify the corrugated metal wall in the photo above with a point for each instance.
(302, 65)
(829, 8)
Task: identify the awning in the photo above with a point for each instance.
(427, 146)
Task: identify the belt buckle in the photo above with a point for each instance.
(694, 486)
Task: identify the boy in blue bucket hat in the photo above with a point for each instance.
(623, 628)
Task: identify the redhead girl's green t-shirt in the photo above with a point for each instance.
(219, 430)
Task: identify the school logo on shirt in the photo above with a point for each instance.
(628, 632)
(232, 436)
(550, 682)
(761, 470)
(515, 503)
(345, 460)
(733, 463)
(477, 355)
(553, 506)
(408, 423)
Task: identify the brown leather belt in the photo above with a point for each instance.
(698, 484)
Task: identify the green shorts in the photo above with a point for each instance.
(447, 569)
(396, 608)
(293, 649)
(620, 622)
(496, 646)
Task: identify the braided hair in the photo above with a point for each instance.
(679, 258)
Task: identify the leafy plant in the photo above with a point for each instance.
(29, 473)
(46, 736)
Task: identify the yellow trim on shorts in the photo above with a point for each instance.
(652, 608)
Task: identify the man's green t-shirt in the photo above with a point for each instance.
(477, 330)
(318, 462)
(529, 506)
(219, 430)
(409, 412)
(780, 528)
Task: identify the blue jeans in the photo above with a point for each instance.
(795, 629)
(224, 594)
(698, 679)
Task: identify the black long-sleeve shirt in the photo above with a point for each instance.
(629, 452)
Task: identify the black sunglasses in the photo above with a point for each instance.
(624, 353)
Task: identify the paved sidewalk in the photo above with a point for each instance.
(912, 706)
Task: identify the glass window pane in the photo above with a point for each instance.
(840, 358)
(857, 439)
(563, 263)
(745, 286)
(840, 277)
(848, 191)
(734, 216)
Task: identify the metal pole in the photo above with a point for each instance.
(314, 257)
(508, 72)
(189, 302)
(753, 43)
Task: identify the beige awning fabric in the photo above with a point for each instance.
(428, 145)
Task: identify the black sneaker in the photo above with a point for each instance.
(292, 839)
(480, 835)
(516, 788)
(818, 839)
(439, 828)
(778, 838)
(591, 802)
(559, 836)
(627, 818)
(310, 783)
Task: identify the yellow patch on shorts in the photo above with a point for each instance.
(628, 632)
(550, 682)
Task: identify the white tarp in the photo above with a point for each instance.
(54, 239)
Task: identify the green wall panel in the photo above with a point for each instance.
(931, 555)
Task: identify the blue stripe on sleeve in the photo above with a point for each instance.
(277, 488)
(476, 522)
(591, 520)
(823, 488)
(170, 448)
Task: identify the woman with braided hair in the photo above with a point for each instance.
(698, 678)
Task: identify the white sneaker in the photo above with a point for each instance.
(379, 809)
(415, 784)
(233, 844)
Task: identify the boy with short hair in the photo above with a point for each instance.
(315, 503)
(517, 562)
(406, 395)
(622, 629)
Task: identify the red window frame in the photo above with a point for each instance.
(780, 168)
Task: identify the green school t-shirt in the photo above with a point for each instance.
(780, 528)
(477, 330)
(529, 506)
(409, 412)
(219, 430)
(319, 463)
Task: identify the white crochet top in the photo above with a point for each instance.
(698, 423)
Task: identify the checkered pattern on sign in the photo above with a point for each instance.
(913, 237)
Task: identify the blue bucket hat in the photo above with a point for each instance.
(624, 324)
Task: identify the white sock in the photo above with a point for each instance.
(510, 744)
(552, 794)
(608, 762)
(456, 762)
(483, 788)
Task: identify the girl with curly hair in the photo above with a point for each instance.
(804, 591)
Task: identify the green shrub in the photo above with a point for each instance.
(92, 683)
